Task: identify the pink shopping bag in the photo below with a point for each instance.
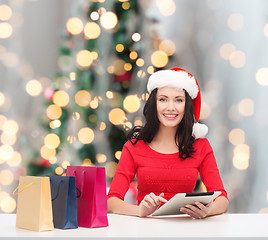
(92, 204)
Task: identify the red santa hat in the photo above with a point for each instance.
(181, 79)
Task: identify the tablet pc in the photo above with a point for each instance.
(172, 207)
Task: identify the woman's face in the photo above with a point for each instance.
(170, 103)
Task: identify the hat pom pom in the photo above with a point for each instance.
(199, 130)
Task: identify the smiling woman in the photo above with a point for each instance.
(167, 153)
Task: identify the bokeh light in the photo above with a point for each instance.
(138, 121)
(133, 55)
(6, 177)
(110, 169)
(136, 37)
(131, 103)
(61, 98)
(102, 126)
(3, 119)
(2, 99)
(84, 59)
(226, 50)
(5, 12)
(87, 162)
(236, 136)
(6, 30)
(127, 66)
(55, 124)
(82, 98)
(101, 158)
(262, 76)
(8, 204)
(6, 152)
(47, 153)
(10, 59)
(59, 171)
(8, 139)
(86, 135)
(235, 21)
(34, 88)
(52, 140)
(108, 20)
(65, 164)
(246, 107)
(140, 62)
(167, 7)
(159, 59)
(241, 160)
(72, 76)
(15, 160)
(237, 59)
(118, 154)
(119, 67)
(94, 16)
(92, 30)
(53, 112)
(74, 26)
(168, 47)
(117, 116)
(10, 127)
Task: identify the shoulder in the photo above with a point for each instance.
(133, 145)
(202, 144)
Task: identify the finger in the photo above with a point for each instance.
(161, 197)
(201, 206)
(145, 204)
(154, 198)
(189, 212)
(197, 211)
(149, 200)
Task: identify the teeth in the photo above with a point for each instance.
(169, 115)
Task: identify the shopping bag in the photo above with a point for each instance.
(92, 204)
(64, 204)
(34, 208)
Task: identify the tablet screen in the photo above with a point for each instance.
(172, 207)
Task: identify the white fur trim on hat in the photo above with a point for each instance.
(171, 78)
(199, 130)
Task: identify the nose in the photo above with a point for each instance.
(171, 106)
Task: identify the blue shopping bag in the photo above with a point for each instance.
(64, 203)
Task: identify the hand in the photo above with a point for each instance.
(150, 203)
(198, 211)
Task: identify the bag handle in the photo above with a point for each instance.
(82, 183)
(15, 193)
(58, 191)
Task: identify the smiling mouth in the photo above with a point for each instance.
(170, 115)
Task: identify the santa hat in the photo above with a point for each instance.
(181, 79)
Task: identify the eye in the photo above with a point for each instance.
(179, 100)
(162, 99)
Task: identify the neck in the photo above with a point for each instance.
(164, 140)
(165, 134)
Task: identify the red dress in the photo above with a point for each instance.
(168, 173)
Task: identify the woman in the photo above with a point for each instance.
(167, 154)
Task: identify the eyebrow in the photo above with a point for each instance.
(167, 96)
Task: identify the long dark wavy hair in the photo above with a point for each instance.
(183, 138)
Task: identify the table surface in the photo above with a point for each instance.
(180, 226)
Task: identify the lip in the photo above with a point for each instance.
(170, 116)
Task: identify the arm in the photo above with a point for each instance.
(118, 206)
(147, 206)
(210, 176)
(219, 206)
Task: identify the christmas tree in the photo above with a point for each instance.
(98, 93)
